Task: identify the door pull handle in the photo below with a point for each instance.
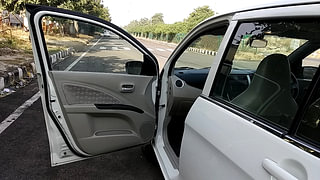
(276, 171)
(127, 88)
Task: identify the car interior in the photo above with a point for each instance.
(256, 85)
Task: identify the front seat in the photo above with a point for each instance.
(269, 94)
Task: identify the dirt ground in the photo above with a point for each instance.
(16, 50)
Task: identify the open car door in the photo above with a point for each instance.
(97, 84)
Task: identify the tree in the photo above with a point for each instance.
(91, 7)
(144, 22)
(157, 19)
(157, 28)
(199, 14)
(16, 6)
(88, 7)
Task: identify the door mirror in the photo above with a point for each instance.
(134, 67)
(258, 43)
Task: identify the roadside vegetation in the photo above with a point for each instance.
(18, 38)
(15, 45)
(155, 28)
(91, 7)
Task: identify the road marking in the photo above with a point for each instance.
(17, 113)
(159, 49)
(115, 48)
(126, 48)
(103, 48)
(77, 60)
(150, 49)
(171, 50)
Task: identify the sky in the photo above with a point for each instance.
(124, 11)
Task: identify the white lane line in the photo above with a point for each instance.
(77, 60)
(150, 49)
(103, 48)
(115, 48)
(15, 115)
(159, 49)
(126, 48)
(171, 50)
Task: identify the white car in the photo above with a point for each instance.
(239, 98)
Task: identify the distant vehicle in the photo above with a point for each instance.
(239, 98)
(106, 34)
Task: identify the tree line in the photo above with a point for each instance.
(155, 28)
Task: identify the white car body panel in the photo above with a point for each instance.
(211, 149)
(232, 147)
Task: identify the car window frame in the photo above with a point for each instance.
(194, 37)
(287, 135)
(291, 135)
(92, 20)
(259, 121)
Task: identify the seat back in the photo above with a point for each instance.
(269, 94)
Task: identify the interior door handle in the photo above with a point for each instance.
(127, 88)
(276, 171)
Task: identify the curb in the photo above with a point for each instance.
(27, 71)
(158, 41)
(19, 73)
(202, 51)
(59, 56)
(197, 50)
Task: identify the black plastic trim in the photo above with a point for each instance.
(302, 144)
(119, 107)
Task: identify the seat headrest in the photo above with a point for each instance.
(276, 68)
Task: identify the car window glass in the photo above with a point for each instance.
(79, 46)
(313, 60)
(256, 75)
(309, 127)
(200, 53)
(310, 65)
(194, 63)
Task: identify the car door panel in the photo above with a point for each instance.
(91, 113)
(237, 148)
(98, 113)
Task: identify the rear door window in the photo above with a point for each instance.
(255, 75)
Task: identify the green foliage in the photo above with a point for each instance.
(91, 7)
(157, 19)
(88, 7)
(156, 28)
(198, 15)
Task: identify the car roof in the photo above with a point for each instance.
(281, 3)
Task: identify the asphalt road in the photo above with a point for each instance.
(109, 54)
(24, 149)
